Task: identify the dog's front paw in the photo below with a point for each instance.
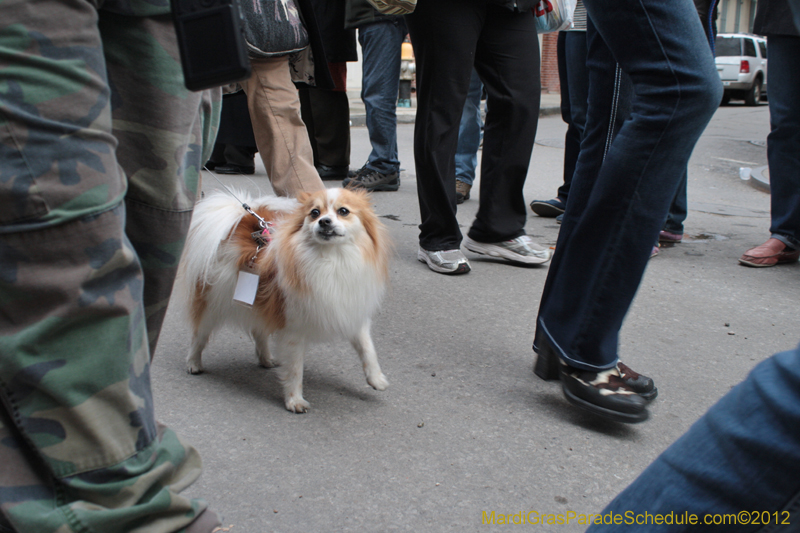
(267, 362)
(194, 368)
(297, 404)
(378, 382)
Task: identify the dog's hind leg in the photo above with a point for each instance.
(194, 361)
(362, 342)
(262, 349)
(201, 332)
(289, 357)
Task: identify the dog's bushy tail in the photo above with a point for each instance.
(214, 219)
(212, 222)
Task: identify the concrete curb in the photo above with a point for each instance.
(759, 178)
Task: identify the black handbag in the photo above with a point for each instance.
(273, 28)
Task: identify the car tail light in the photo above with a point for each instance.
(744, 67)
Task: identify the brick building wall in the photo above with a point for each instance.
(550, 83)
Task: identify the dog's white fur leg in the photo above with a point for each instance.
(194, 361)
(262, 349)
(290, 353)
(369, 359)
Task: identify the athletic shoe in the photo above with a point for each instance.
(520, 250)
(548, 208)
(372, 180)
(444, 261)
(352, 174)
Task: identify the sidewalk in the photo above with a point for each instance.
(405, 115)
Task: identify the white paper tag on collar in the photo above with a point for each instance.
(246, 288)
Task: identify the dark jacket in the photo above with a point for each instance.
(322, 75)
(339, 43)
(360, 13)
(773, 17)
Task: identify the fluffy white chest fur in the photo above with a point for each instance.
(342, 293)
(322, 275)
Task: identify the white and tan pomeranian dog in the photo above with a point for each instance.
(321, 276)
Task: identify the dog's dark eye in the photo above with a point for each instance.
(343, 212)
(315, 213)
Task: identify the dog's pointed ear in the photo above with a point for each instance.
(303, 196)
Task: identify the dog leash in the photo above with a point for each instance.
(262, 237)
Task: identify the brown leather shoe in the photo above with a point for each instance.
(462, 191)
(771, 253)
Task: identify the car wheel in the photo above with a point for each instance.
(754, 94)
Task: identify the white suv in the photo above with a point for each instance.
(742, 66)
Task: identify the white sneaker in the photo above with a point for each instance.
(444, 261)
(520, 250)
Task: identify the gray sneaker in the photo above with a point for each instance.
(520, 250)
(353, 174)
(372, 180)
(444, 261)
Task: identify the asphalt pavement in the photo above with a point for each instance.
(465, 428)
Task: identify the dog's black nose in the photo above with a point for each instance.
(325, 222)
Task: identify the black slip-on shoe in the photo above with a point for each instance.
(547, 368)
(234, 169)
(607, 393)
(604, 394)
(333, 172)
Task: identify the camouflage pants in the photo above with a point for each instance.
(100, 146)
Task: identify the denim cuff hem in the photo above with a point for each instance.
(794, 244)
(580, 365)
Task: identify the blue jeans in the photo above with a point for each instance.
(380, 47)
(470, 132)
(618, 201)
(679, 208)
(575, 90)
(574, 99)
(783, 142)
(742, 455)
(795, 5)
